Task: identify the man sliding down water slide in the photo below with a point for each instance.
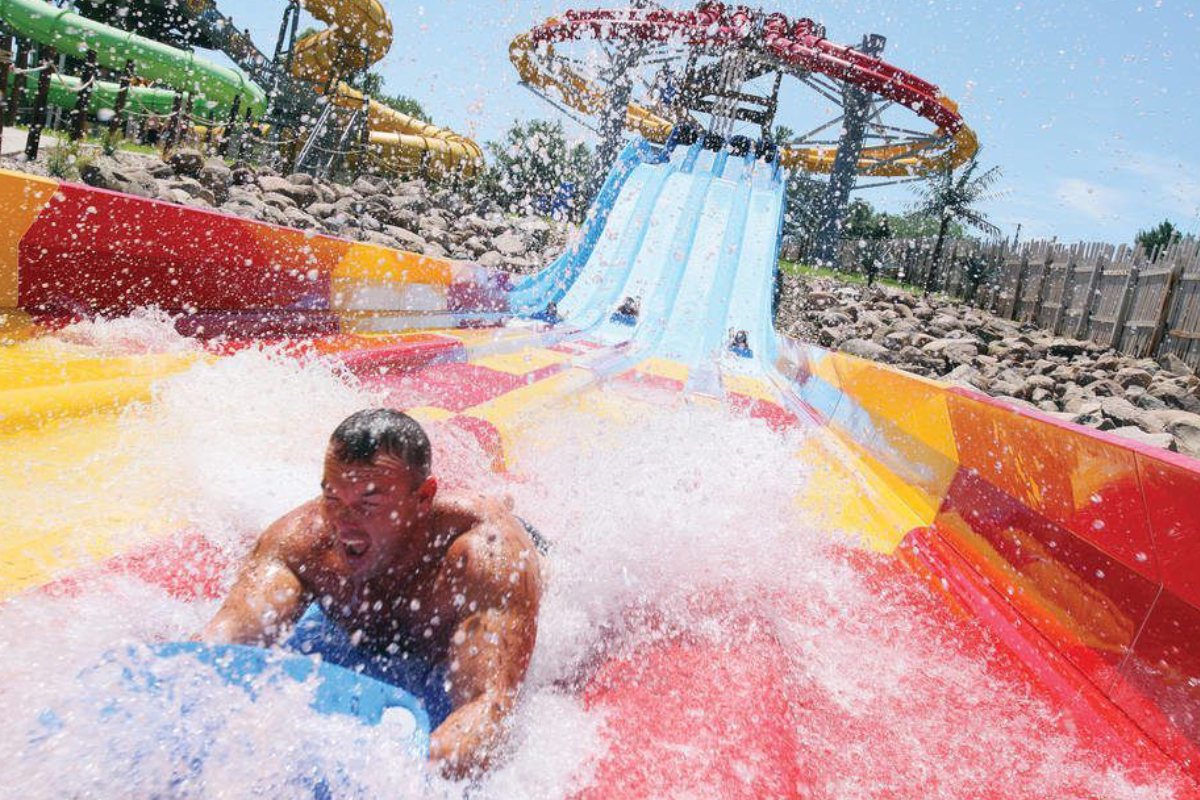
(438, 595)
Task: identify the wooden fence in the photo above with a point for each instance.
(1141, 304)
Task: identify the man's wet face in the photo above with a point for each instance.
(370, 508)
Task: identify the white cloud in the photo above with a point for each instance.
(1171, 182)
(1101, 203)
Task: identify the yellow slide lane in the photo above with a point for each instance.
(61, 411)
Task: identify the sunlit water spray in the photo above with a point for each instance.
(679, 522)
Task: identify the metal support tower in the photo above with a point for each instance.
(856, 108)
(612, 116)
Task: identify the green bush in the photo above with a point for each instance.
(66, 160)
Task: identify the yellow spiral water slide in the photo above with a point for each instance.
(360, 34)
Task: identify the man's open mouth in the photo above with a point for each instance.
(356, 548)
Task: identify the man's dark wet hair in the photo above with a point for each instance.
(364, 434)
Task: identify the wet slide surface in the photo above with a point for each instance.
(760, 583)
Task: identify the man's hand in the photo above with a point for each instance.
(489, 653)
(488, 658)
(266, 598)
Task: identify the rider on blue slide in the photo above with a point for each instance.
(381, 574)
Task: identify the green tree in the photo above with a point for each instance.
(917, 225)
(862, 221)
(801, 195)
(977, 269)
(404, 104)
(1157, 239)
(803, 199)
(533, 164)
(869, 230)
(952, 198)
(372, 84)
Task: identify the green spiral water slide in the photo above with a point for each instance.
(213, 87)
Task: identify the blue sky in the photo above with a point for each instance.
(1091, 109)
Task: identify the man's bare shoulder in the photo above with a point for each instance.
(469, 508)
(495, 555)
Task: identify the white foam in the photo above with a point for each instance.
(142, 331)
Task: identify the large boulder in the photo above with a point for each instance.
(407, 240)
(107, 173)
(155, 168)
(475, 246)
(864, 348)
(1124, 413)
(251, 208)
(192, 188)
(1042, 386)
(410, 188)
(434, 250)
(509, 244)
(1173, 363)
(282, 202)
(365, 186)
(186, 161)
(491, 258)
(299, 193)
(956, 351)
(1174, 396)
(966, 375)
(819, 300)
(299, 219)
(1066, 347)
(833, 318)
(242, 174)
(1163, 440)
(1132, 376)
(216, 177)
(1183, 425)
(536, 230)
(322, 210)
(1090, 414)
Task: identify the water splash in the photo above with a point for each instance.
(141, 332)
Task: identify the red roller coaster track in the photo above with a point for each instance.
(797, 48)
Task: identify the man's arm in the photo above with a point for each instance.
(267, 597)
(489, 653)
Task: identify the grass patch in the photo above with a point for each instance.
(121, 144)
(93, 141)
(858, 279)
(810, 271)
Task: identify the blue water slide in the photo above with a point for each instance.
(696, 250)
(749, 307)
(531, 294)
(606, 270)
(694, 329)
(658, 265)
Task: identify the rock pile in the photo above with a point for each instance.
(1152, 401)
(405, 214)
